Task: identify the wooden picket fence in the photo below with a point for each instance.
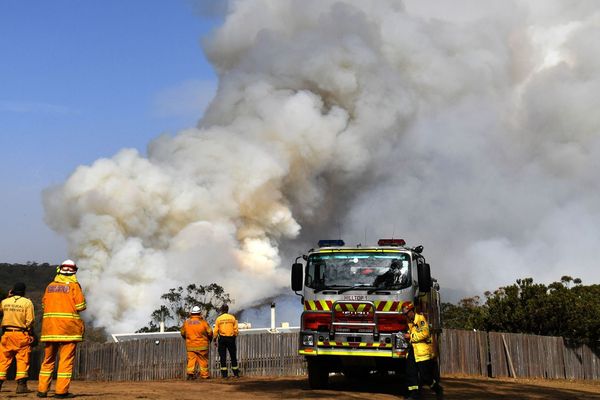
(265, 354)
(516, 355)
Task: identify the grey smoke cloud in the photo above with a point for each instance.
(470, 131)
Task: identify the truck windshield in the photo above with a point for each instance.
(358, 271)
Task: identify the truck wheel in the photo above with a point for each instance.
(318, 374)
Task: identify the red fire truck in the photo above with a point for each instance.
(352, 296)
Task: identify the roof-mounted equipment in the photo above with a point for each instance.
(331, 243)
(391, 242)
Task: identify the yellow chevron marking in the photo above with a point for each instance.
(363, 353)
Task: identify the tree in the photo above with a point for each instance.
(566, 308)
(468, 314)
(177, 304)
(522, 307)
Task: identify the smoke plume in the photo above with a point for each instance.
(469, 127)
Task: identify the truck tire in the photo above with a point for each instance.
(318, 374)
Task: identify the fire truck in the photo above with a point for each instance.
(353, 295)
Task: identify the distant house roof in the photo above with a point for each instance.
(124, 337)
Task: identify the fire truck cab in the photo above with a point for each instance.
(353, 296)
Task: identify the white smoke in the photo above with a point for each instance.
(471, 129)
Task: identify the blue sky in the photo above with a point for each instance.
(80, 81)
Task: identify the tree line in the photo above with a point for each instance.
(566, 308)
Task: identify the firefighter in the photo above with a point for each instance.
(421, 365)
(62, 329)
(226, 331)
(17, 339)
(198, 335)
(390, 277)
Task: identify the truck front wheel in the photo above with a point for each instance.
(318, 374)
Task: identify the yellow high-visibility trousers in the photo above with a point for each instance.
(66, 356)
(15, 344)
(199, 357)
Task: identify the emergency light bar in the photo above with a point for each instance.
(391, 242)
(331, 243)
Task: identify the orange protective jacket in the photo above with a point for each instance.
(62, 302)
(225, 325)
(197, 333)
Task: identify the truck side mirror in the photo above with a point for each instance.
(297, 276)
(425, 282)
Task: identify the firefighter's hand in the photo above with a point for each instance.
(33, 339)
(407, 336)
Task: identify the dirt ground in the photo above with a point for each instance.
(297, 388)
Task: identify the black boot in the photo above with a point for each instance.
(413, 395)
(22, 386)
(439, 392)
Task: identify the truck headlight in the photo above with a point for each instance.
(308, 340)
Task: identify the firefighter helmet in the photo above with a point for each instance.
(406, 307)
(67, 267)
(195, 310)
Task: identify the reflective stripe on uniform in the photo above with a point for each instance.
(61, 315)
(61, 338)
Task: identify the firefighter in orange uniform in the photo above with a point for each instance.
(198, 335)
(421, 366)
(17, 338)
(226, 331)
(62, 328)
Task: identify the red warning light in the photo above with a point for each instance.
(391, 242)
